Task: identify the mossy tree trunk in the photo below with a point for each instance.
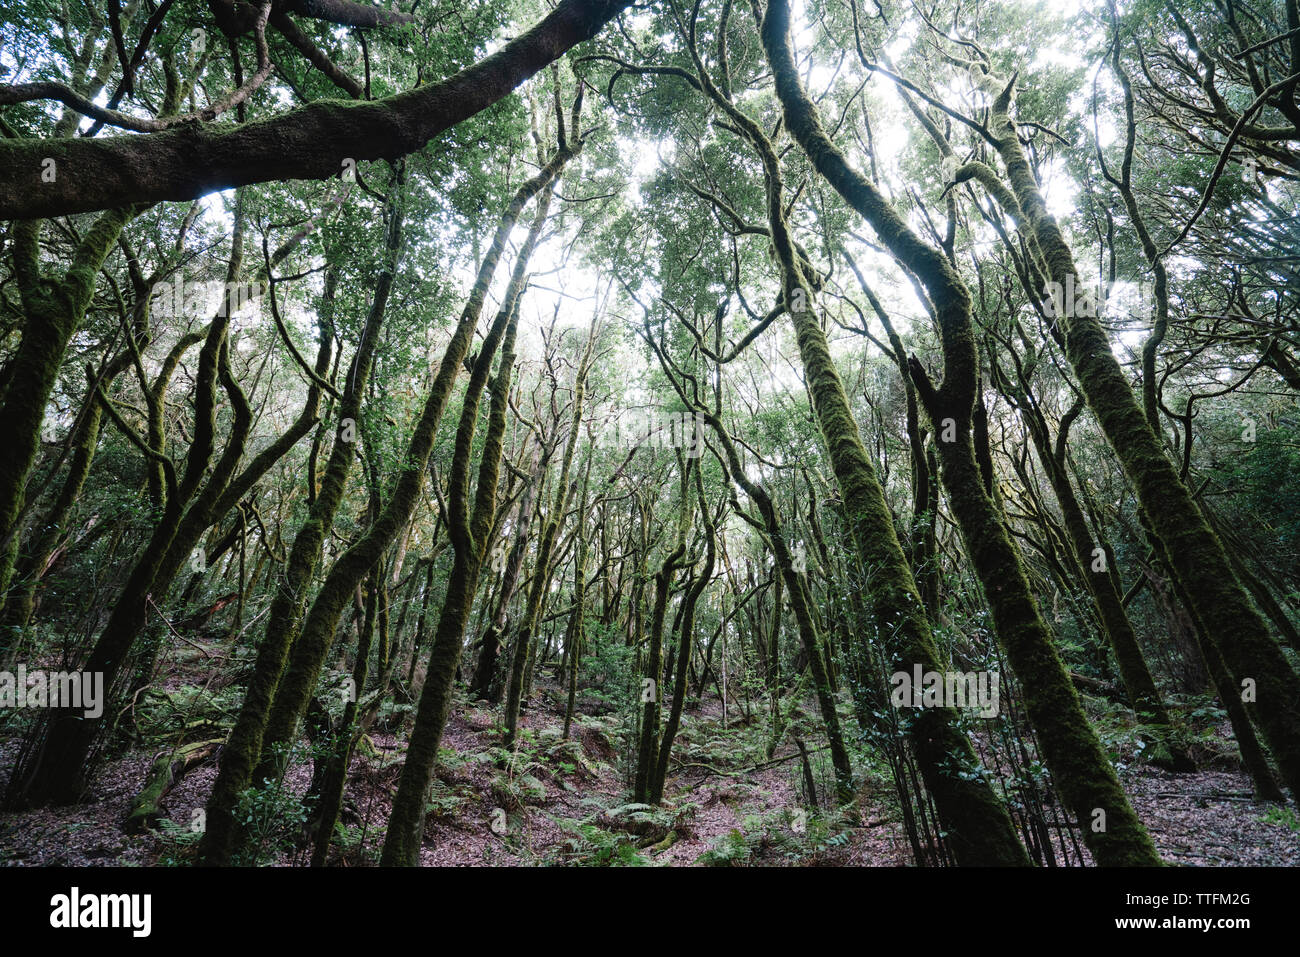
(1253, 757)
(317, 632)
(1197, 556)
(194, 501)
(1092, 565)
(52, 312)
(51, 529)
(925, 502)
(978, 825)
(470, 527)
(302, 143)
(58, 774)
(335, 775)
(1080, 770)
(244, 746)
(35, 557)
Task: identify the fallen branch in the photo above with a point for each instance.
(167, 770)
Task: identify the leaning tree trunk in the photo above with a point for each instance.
(335, 777)
(978, 825)
(52, 312)
(1197, 556)
(470, 532)
(1143, 694)
(32, 564)
(312, 646)
(58, 774)
(1080, 769)
(244, 746)
(1252, 754)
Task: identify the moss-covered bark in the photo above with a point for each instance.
(1143, 694)
(167, 769)
(37, 553)
(317, 632)
(200, 513)
(1080, 770)
(305, 143)
(335, 777)
(923, 546)
(200, 497)
(244, 746)
(1252, 754)
(155, 401)
(52, 311)
(978, 826)
(1197, 556)
(417, 640)
(1259, 590)
(58, 776)
(51, 529)
(470, 528)
(1253, 757)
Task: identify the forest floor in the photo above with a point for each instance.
(554, 802)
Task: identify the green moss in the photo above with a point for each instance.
(1197, 556)
(1080, 770)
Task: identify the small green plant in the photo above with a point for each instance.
(444, 803)
(1204, 709)
(1284, 816)
(513, 791)
(179, 843)
(729, 850)
(349, 840)
(271, 817)
(591, 846)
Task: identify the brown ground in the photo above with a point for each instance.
(1198, 819)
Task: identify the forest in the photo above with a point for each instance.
(671, 433)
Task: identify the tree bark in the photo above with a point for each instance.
(310, 142)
